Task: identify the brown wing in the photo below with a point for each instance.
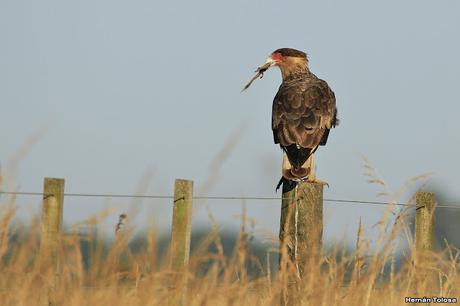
(303, 112)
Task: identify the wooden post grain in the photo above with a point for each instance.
(51, 223)
(52, 211)
(424, 237)
(180, 240)
(181, 224)
(301, 231)
(301, 226)
(424, 220)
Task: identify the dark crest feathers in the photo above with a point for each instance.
(291, 52)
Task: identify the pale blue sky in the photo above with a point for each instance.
(127, 86)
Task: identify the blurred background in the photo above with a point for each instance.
(122, 97)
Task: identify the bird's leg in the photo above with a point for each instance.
(311, 166)
(286, 169)
(310, 163)
(286, 166)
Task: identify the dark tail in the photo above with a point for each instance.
(297, 156)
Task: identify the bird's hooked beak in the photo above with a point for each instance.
(270, 62)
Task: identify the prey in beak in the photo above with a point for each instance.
(270, 62)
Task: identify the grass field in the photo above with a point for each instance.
(113, 274)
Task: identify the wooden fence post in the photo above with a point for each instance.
(301, 231)
(181, 224)
(51, 223)
(52, 211)
(424, 236)
(180, 238)
(424, 220)
(301, 226)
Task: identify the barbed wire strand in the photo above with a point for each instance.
(249, 198)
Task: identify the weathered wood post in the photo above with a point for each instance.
(180, 236)
(181, 224)
(424, 221)
(301, 227)
(424, 237)
(301, 230)
(51, 223)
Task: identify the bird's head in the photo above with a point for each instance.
(287, 59)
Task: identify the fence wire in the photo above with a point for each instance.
(241, 198)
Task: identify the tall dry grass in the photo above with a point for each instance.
(113, 274)
(117, 276)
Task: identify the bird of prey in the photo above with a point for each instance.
(304, 111)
